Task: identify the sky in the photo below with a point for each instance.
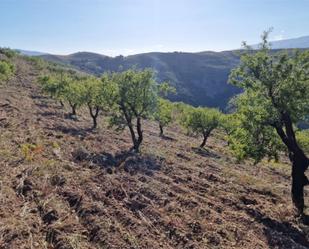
(114, 27)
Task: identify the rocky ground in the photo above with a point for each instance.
(65, 186)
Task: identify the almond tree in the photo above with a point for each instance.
(275, 98)
(163, 114)
(98, 95)
(136, 99)
(202, 121)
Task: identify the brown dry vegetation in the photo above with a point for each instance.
(63, 186)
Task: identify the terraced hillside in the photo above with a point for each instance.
(63, 186)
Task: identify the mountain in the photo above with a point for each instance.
(301, 42)
(200, 78)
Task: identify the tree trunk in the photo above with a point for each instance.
(161, 130)
(73, 107)
(130, 125)
(94, 114)
(299, 180)
(299, 160)
(139, 139)
(205, 137)
(74, 110)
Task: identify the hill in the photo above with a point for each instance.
(65, 187)
(301, 42)
(200, 78)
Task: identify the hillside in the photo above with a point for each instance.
(63, 186)
(200, 78)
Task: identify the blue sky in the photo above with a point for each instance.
(114, 27)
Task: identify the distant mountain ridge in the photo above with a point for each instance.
(301, 42)
(201, 79)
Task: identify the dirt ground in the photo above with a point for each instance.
(64, 186)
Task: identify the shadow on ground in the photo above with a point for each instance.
(128, 161)
(204, 152)
(279, 234)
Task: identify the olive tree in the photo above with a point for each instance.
(136, 99)
(202, 121)
(275, 97)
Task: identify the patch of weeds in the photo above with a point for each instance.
(29, 151)
(55, 145)
(283, 168)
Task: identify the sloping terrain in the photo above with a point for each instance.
(63, 186)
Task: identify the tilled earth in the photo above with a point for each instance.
(64, 186)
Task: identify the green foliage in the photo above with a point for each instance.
(99, 92)
(136, 95)
(6, 70)
(65, 86)
(202, 121)
(163, 114)
(276, 95)
(181, 112)
(229, 122)
(53, 85)
(303, 139)
(10, 53)
(36, 61)
(136, 98)
(165, 88)
(73, 93)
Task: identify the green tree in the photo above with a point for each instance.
(55, 84)
(73, 93)
(202, 121)
(163, 114)
(98, 95)
(275, 98)
(136, 99)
